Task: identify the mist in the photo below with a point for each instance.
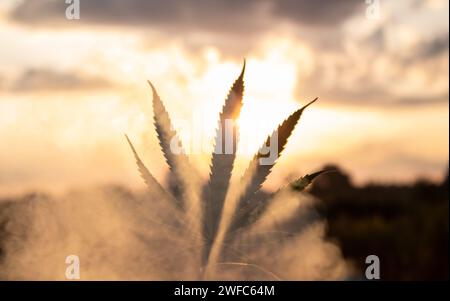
(122, 235)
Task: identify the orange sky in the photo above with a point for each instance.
(70, 89)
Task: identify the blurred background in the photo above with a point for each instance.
(70, 89)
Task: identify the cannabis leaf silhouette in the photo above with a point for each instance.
(200, 207)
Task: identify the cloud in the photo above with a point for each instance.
(318, 13)
(345, 86)
(389, 61)
(430, 49)
(49, 80)
(233, 26)
(185, 15)
(391, 64)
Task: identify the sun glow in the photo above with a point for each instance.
(268, 97)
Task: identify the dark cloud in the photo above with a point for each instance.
(234, 26)
(367, 95)
(205, 15)
(432, 48)
(419, 100)
(429, 57)
(371, 96)
(364, 91)
(320, 13)
(46, 80)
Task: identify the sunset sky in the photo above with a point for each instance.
(70, 89)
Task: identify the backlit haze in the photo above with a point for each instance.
(70, 89)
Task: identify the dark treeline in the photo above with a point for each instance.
(406, 226)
